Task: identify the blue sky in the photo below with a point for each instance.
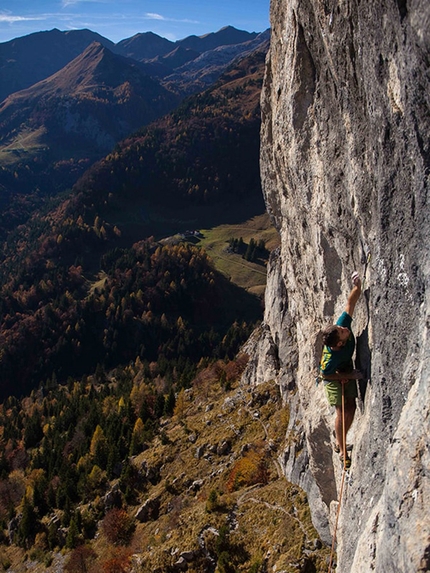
(119, 19)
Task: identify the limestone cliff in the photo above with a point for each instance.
(345, 164)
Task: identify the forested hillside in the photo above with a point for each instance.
(109, 326)
(164, 304)
(119, 474)
(55, 322)
(205, 152)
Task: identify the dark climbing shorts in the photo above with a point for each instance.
(333, 392)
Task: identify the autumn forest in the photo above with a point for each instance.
(105, 325)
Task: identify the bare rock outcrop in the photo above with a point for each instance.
(345, 163)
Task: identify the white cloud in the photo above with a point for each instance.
(153, 16)
(8, 18)
(67, 3)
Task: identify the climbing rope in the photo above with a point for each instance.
(366, 264)
(344, 473)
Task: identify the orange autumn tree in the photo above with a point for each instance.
(80, 560)
(249, 470)
(118, 527)
(118, 562)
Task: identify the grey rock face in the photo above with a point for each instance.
(148, 511)
(345, 163)
(113, 498)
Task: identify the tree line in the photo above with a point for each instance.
(155, 302)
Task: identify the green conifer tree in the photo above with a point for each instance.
(170, 403)
(27, 526)
(73, 534)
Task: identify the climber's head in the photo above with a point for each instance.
(335, 336)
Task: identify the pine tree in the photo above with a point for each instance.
(27, 526)
(113, 459)
(137, 437)
(170, 403)
(98, 447)
(159, 405)
(73, 534)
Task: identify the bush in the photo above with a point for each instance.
(6, 563)
(117, 564)
(79, 559)
(256, 567)
(249, 470)
(212, 502)
(118, 527)
(215, 503)
(224, 563)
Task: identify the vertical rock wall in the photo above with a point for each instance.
(345, 165)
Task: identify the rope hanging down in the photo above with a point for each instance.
(344, 473)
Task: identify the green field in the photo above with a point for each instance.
(247, 275)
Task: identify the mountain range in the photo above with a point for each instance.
(91, 103)
(79, 94)
(29, 59)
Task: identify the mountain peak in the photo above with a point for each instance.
(29, 59)
(224, 37)
(82, 71)
(144, 46)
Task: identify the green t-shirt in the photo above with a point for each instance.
(339, 360)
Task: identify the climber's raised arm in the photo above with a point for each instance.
(354, 295)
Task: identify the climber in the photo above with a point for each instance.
(336, 369)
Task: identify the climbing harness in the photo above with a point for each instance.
(345, 477)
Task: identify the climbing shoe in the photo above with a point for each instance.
(346, 463)
(337, 448)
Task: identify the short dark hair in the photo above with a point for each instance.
(330, 335)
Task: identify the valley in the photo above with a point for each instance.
(127, 440)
